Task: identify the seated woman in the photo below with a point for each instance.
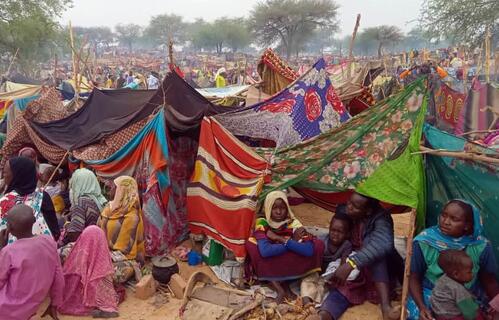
(87, 203)
(21, 178)
(459, 227)
(375, 256)
(281, 249)
(122, 223)
(88, 273)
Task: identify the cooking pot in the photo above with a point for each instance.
(163, 267)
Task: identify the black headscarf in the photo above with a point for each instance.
(24, 177)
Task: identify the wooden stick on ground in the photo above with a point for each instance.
(407, 268)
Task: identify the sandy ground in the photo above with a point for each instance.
(165, 307)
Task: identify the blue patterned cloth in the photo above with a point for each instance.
(305, 109)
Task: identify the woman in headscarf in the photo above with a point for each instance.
(281, 249)
(88, 274)
(122, 223)
(220, 81)
(460, 228)
(87, 202)
(20, 178)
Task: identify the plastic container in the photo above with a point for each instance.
(213, 253)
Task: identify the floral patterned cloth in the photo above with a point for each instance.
(345, 157)
(33, 200)
(307, 108)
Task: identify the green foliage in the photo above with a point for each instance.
(165, 27)
(290, 23)
(30, 26)
(462, 21)
(95, 35)
(382, 35)
(128, 34)
(223, 32)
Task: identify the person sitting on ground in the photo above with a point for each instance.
(459, 227)
(21, 179)
(22, 289)
(122, 223)
(449, 298)
(280, 240)
(375, 257)
(88, 273)
(87, 202)
(337, 249)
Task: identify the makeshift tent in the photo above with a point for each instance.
(275, 73)
(17, 95)
(448, 106)
(351, 78)
(453, 178)
(481, 111)
(224, 188)
(370, 153)
(305, 109)
(105, 112)
(145, 157)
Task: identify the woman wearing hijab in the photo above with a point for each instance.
(20, 177)
(122, 223)
(88, 274)
(280, 249)
(87, 202)
(460, 228)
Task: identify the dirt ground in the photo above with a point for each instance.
(161, 308)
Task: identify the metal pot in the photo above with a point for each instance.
(163, 267)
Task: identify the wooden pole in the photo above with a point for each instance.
(170, 52)
(457, 154)
(354, 35)
(55, 69)
(12, 61)
(71, 39)
(407, 267)
(487, 56)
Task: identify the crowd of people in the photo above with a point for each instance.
(85, 252)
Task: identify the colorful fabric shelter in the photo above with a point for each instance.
(481, 111)
(275, 73)
(371, 153)
(145, 157)
(305, 109)
(452, 178)
(224, 188)
(448, 106)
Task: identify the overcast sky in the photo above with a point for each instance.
(111, 12)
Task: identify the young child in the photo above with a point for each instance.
(450, 300)
(337, 249)
(30, 269)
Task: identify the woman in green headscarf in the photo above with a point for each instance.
(87, 203)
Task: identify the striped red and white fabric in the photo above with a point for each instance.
(224, 188)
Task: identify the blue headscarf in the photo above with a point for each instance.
(434, 237)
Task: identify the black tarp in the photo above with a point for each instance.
(107, 111)
(104, 112)
(185, 107)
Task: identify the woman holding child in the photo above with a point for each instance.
(459, 228)
(281, 249)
